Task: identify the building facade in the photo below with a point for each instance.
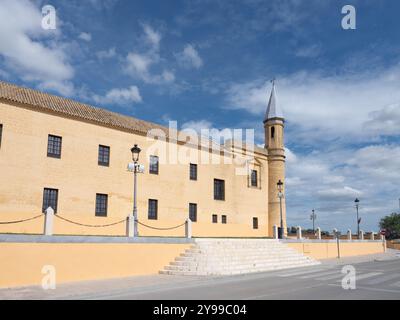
(73, 157)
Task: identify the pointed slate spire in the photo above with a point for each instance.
(273, 110)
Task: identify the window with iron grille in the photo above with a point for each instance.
(193, 171)
(101, 205)
(50, 199)
(1, 133)
(214, 218)
(219, 189)
(104, 156)
(254, 178)
(193, 212)
(153, 169)
(54, 146)
(255, 223)
(153, 208)
(223, 219)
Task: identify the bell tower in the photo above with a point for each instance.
(274, 124)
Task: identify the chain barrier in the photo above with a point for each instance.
(150, 227)
(19, 221)
(90, 225)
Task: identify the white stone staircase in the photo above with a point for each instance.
(236, 256)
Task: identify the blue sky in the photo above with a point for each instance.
(207, 64)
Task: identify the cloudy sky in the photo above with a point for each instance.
(207, 64)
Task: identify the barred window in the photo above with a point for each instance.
(255, 223)
(214, 218)
(1, 133)
(223, 219)
(153, 165)
(193, 171)
(219, 189)
(153, 208)
(101, 205)
(54, 146)
(254, 178)
(50, 199)
(193, 212)
(104, 156)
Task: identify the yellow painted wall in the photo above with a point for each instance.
(22, 263)
(328, 250)
(25, 170)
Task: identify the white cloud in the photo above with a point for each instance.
(138, 65)
(85, 36)
(120, 96)
(24, 54)
(326, 107)
(106, 54)
(190, 58)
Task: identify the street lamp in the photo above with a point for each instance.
(358, 219)
(313, 217)
(135, 157)
(280, 195)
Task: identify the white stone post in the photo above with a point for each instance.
(130, 228)
(372, 236)
(48, 221)
(319, 237)
(275, 228)
(361, 236)
(299, 235)
(188, 228)
(349, 235)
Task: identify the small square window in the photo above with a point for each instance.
(254, 178)
(219, 189)
(255, 223)
(153, 169)
(193, 171)
(153, 209)
(104, 156)
(101, 205)
(54, 146)
(214, 218)
(50, 199)
(193, 212)
(223, 219)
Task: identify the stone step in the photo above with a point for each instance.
(201, 258)
(208, 261)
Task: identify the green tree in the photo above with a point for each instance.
(392, 225)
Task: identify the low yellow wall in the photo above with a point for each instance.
(327, 250)
(22, 263)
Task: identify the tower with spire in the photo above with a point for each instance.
(274, 124)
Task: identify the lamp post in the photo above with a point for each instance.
(135, 157)
(280, 195)
(358, 219)
(313, 217)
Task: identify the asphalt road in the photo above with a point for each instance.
(374, 279)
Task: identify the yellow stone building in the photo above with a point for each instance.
(71, 156)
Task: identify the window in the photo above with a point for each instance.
(193, 171)
(255, 223)
(101, 205)
(219, 189)
(193, 212)
(214, 218)
(104, 156)
(254, 180)
(153, 208)
(1, 133)
(153, 165)
(50, 199)
(272, 132)
(223, 219)
(54, 146)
